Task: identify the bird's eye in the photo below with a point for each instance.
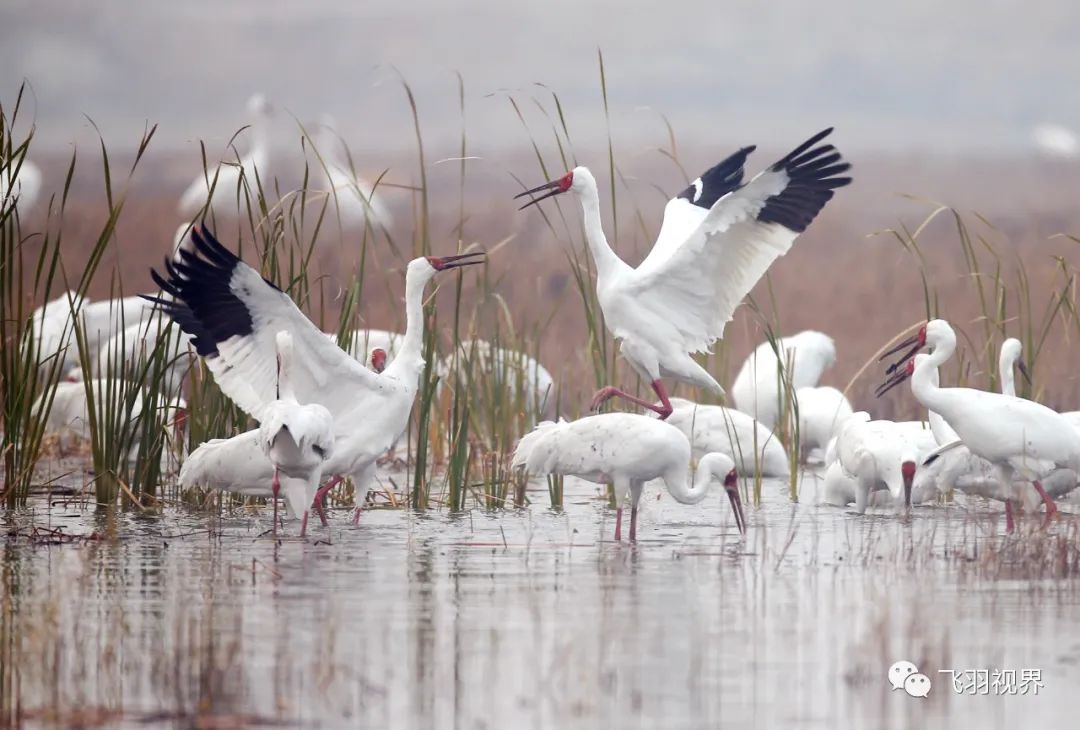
(319, 450)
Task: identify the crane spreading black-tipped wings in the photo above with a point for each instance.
(234, 315)
(696, 283)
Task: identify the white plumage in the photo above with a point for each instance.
(963, 471)
(53, 326)
(628, 450)
(69, 414)
(758, 385)
(718, 238)
(877, 456)
(351, 197)
(821, 411)
(297, 439)
(1016, 435)
(752, 447)
(234, 316)
(225, 177)
(25, 189)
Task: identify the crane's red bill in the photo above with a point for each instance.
(555, 187)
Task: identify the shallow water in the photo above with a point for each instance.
(534, 618)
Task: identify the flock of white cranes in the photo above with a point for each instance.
(327, 413)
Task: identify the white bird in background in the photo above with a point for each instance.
(224, 178)
(874, 456)
(1011, 352)
(1054, 140)
(523, 377)
(628, 450)
(362, 342)
(24, 191)
(718, 238)
(297, 439)
(757, 387)
(1013, 434)
(234, 315)
(69, 413)
(821, 411)
(100, 321)
(130, 349)
(752, 447)
(356, 199)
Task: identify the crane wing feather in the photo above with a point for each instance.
(700, 284)
(235, 314)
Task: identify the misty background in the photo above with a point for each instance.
(966, 76)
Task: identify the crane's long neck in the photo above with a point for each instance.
(409, 360)
(710, 467)
(1008, 377)
(284, 374)
(606, 260)
(924, 381)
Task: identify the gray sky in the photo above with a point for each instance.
(961, 75)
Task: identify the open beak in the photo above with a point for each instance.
(891, 383)
(915, 342)
(731, 486)
(1024, 370)
(442, 263)
(555, 186)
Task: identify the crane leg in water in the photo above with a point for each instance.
(1051, 508)
(275, 487)
(1010, 525)
(610, 391)
(320, 495)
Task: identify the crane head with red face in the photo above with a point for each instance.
(578, 180)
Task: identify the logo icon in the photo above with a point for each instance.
(906, 676)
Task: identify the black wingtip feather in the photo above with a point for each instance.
(812, 179)
(203, 304)
(718, 180)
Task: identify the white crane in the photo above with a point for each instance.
(758, 387)
(297, 439)
(1013, 434)
(963, 471)
(54, 329)
(874, 456)
(718, 238)
(134, 344)
(234, 315)
(627, 449)
(69, 412)
(362, 342)
(218, 186)
(24, 188)
(821, 411)
(753, 448)
(353, 198)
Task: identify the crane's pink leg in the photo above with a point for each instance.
(618, 524)
(303, 524)
(275, 487)
(610, 391)
(1009, 524)
(1051, 508)
(321, 494)
(633, 523)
